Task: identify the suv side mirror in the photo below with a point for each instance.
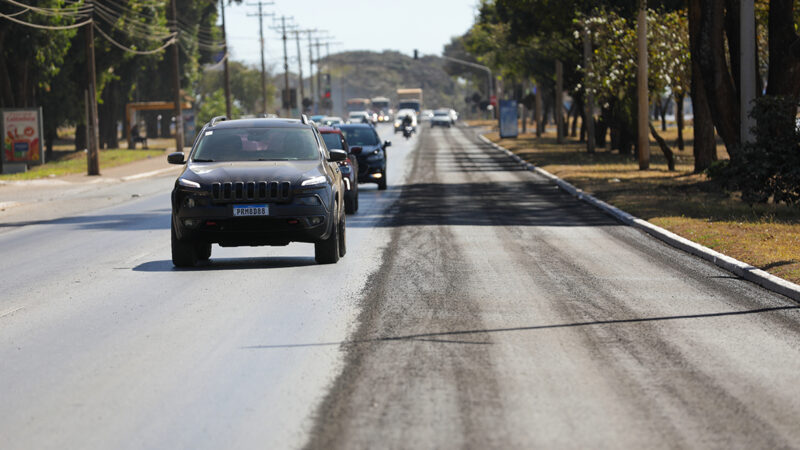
(387, 144)
(175, 158)
(337, 155)
(356, 150)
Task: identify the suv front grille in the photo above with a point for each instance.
(273, 191)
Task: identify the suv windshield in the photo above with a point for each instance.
(257, 144)
(361, 136)
(332, 141)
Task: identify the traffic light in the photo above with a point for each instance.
(416, 54)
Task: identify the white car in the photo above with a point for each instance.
(401, 114)
(441, 118)
(426, 115)
(359, 117)
(332, 120)
(453, 116)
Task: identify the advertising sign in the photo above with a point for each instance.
(508, 119)
(22, 135)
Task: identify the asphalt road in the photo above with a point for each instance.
(477, 307)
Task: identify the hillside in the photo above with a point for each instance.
(372, 74)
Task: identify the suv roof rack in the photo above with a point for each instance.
(304, 119)
(218, 119)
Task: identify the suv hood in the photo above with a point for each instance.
(220, 172)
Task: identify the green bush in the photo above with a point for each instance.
(768, 168)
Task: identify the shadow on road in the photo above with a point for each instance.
(153, 220)
(528, 203)
(216, 264)
(437, 336)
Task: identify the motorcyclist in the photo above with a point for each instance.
(407, 121)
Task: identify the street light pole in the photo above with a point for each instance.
(747, 67)
(488, 71)
(643, 99)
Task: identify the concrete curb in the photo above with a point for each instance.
(732, 265)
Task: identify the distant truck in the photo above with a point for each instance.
(358, 104)
(382, 106)
(409, 99)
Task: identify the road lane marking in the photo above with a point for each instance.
(10, 312)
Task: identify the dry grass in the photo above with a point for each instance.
(688, 204)
(72, 162)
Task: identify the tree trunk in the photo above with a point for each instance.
(784, 50)
(679, 120)
(704, 145)
(50, 135)
(574, 113)
(664, 107)
(664, 148)
(80, 137)
(721, 91)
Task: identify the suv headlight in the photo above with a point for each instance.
(375, 156)
(188, 183)
(314, 181)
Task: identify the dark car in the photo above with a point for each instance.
(256, 182)
(334, 138)
(372, 158)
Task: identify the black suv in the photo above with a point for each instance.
(258, 182)
(372, 159)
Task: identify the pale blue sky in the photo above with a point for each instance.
(377, 25)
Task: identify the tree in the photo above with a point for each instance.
(32, 57)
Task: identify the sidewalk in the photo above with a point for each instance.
(48, 198)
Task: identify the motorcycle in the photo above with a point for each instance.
(408, 130)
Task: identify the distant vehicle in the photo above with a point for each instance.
(409, 99)
(426, 115)
(372, 159)
(453, 116)
(382, 106)
(257, 182)
(331, 120)
(358, 104)
(398, 119)
(359, 117)
(441, 118)
(317, 118)
(334, 138)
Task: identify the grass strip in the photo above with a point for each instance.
(766, 236)
(75, 162)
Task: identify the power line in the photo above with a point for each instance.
(130, 50)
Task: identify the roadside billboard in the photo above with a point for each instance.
(22, 135)
(508, 119)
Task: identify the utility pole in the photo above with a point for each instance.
(261, 15)
(300, 70)
(287, 98)
(92, 144)
(643, 100)
(314, 102)
(559, 106)
(319, 72)
(747, 67)
(176, 82)
(226, 71)
(588, 97)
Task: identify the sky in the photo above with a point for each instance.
(377, 25)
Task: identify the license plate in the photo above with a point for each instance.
(250, 210)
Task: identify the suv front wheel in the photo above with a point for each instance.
(188, 253)
(329, 250)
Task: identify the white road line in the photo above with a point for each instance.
(148, 174)
(10, 312)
